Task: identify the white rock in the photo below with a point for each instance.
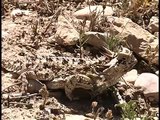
(131, 76)
(154, 24)
(156, 118)
(86, 12)
(136, 37)
(149, 82)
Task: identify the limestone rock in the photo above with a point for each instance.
(66, 34)
(131, 76)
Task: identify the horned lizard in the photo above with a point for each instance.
(72, 73)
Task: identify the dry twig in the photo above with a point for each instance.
(44, 92)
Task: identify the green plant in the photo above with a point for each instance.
(112, 43)
(128, 110)
(82, 39)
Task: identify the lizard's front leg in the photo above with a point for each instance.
(24, 77)
(77, 81)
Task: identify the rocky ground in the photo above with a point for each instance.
(88, 29)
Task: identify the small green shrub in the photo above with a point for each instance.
(128, 110)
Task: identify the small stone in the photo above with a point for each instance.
(94, 104)
(131, 76)
(154, 24)
(16, 12)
